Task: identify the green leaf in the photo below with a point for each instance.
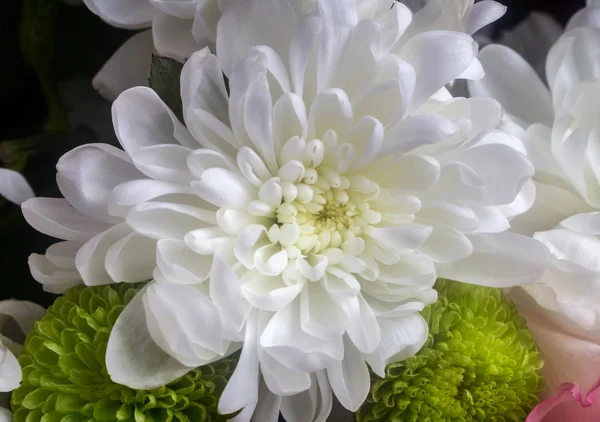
(164, 80)
(38, 33)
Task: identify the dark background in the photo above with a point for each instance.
(83, 44)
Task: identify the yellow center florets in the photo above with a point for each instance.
(328, 210)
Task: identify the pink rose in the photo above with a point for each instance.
(571, 369)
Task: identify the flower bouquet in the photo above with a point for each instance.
(322, 210)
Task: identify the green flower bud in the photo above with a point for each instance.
(479, 363)
(65, 377)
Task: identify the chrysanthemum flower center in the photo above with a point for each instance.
(321, 205)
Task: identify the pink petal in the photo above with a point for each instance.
(568, 404)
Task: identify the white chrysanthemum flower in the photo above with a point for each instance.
(181, 27)
(330, 193)
(24, 314)
(560, 129)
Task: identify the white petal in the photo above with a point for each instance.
(5, 415)
(159, 220)
(133, 358)
(349, 378)
(241, 391)
(452, 51)
(244, 25)
(500, 260)
(289, 119)
(10, 370)
(128, 194)
(224, 188)
(331, 110)
(400, 339)
(515, 171)
(142, 119)
(267, 409)
(91, 257)
(226, 293)
(201, 160)
(207, 241)
(281, 380)
(268, 293)
(313, 267)
(340, 285)
(164, 162)
(367, 138)
(409, 236)
(446, 245)
(56, 218)
(483, 14)
(178, 264)
(131, 14)
(511, 80)
(258, 118)
(270, 260)
(411, 173)
(314, 404)
(416, 131)
(173, 37)
(588, 223)
(363, 328)
(320, 315)
(128, 67)
(580, 249)
(53, 278)
(131, 259)
(88, 174)
(24, 313)
(14, 187)
(203, 87)
(492, 219)
(184, 323)
(285, 341)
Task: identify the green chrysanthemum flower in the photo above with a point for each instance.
(480, 363)
(65, 377)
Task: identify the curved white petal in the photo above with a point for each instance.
(133, 358)
(131, 14)
(511, 80)
(10, 370)
(180, 265)
(23, 312)
(173, 37)
(349, 377)
(56, 218)
(91, 258)
(142, 119)
(452, 51)
(14, 187)
(129, 66)
(88, 174)
(500, 260)
(132, 258)
(401, 338)
(285, 341)
(184, 323)
(241, 391)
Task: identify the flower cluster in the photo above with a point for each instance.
(65, 377)
(286, 218)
